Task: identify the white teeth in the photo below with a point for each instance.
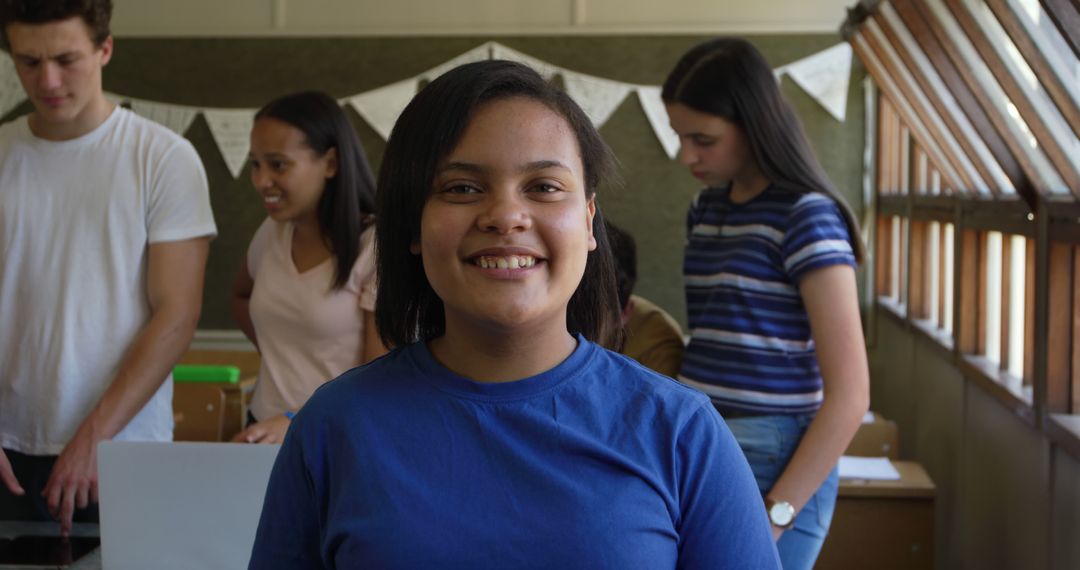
(272, 199)
(508, 262)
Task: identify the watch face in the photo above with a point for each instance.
(782, 513)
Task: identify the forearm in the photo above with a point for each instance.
(824, 442)
(157, 348)
(830, 298)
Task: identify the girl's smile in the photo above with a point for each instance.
(506, 231)
(286, 172)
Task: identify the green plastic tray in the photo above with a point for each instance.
(206, 373)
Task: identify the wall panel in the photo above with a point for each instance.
(1004, 488)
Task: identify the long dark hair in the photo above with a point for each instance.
(407, 308)
(730, 78)
(348, 201)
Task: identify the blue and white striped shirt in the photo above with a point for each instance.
(750, 348)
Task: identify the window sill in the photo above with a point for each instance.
(1064, 431)
(939, 338)
(1002, 386)
(894, 308)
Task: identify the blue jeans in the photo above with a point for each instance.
(769, 442)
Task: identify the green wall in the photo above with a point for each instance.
(651, 204)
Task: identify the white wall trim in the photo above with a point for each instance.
(414, 31)
(221, 339)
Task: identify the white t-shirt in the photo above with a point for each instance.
(308, 333)
(76, 218)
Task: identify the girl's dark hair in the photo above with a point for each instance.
(347, 203)
(624, 252)
(729, 78)
(95, 13)
(407, 308)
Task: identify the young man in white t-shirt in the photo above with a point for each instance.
(104, 227)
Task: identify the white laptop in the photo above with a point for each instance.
(180, 505)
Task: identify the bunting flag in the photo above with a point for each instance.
(598, 97)
(114, 98)
(478, 53)
(544, 68)
(176, 117)
(232, 131)
(824, 76)
(381, 107)
(654, 109)
(11, 91)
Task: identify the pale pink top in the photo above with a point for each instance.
(308, 333)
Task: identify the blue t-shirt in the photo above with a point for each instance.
(750, 348)
(596, 463)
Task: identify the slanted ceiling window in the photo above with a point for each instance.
(978, 182)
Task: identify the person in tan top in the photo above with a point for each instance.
(653, 338)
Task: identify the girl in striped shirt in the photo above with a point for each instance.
(776, 340)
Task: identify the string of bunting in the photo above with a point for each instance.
(823, 75)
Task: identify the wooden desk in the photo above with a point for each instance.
(883, 524)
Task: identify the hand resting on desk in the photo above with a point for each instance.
(267, 431)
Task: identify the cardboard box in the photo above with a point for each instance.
(879, 438)
(210, 411)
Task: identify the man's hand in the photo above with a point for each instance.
(7, 476)
(174, 289)
(267, 431)
(73, 481)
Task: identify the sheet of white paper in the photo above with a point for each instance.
(879, 468)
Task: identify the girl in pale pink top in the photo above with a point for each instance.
(305, 294)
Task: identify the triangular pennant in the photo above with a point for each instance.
(114, 98)
(598, 97)
(545, 69)
(824, 76)
(11, 91)
(231, 129)
(381, 107)
(654, 109)
(176, 117)
(478, 53)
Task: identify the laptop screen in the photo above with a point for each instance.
(180, 505)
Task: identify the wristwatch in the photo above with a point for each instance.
(781, 513)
